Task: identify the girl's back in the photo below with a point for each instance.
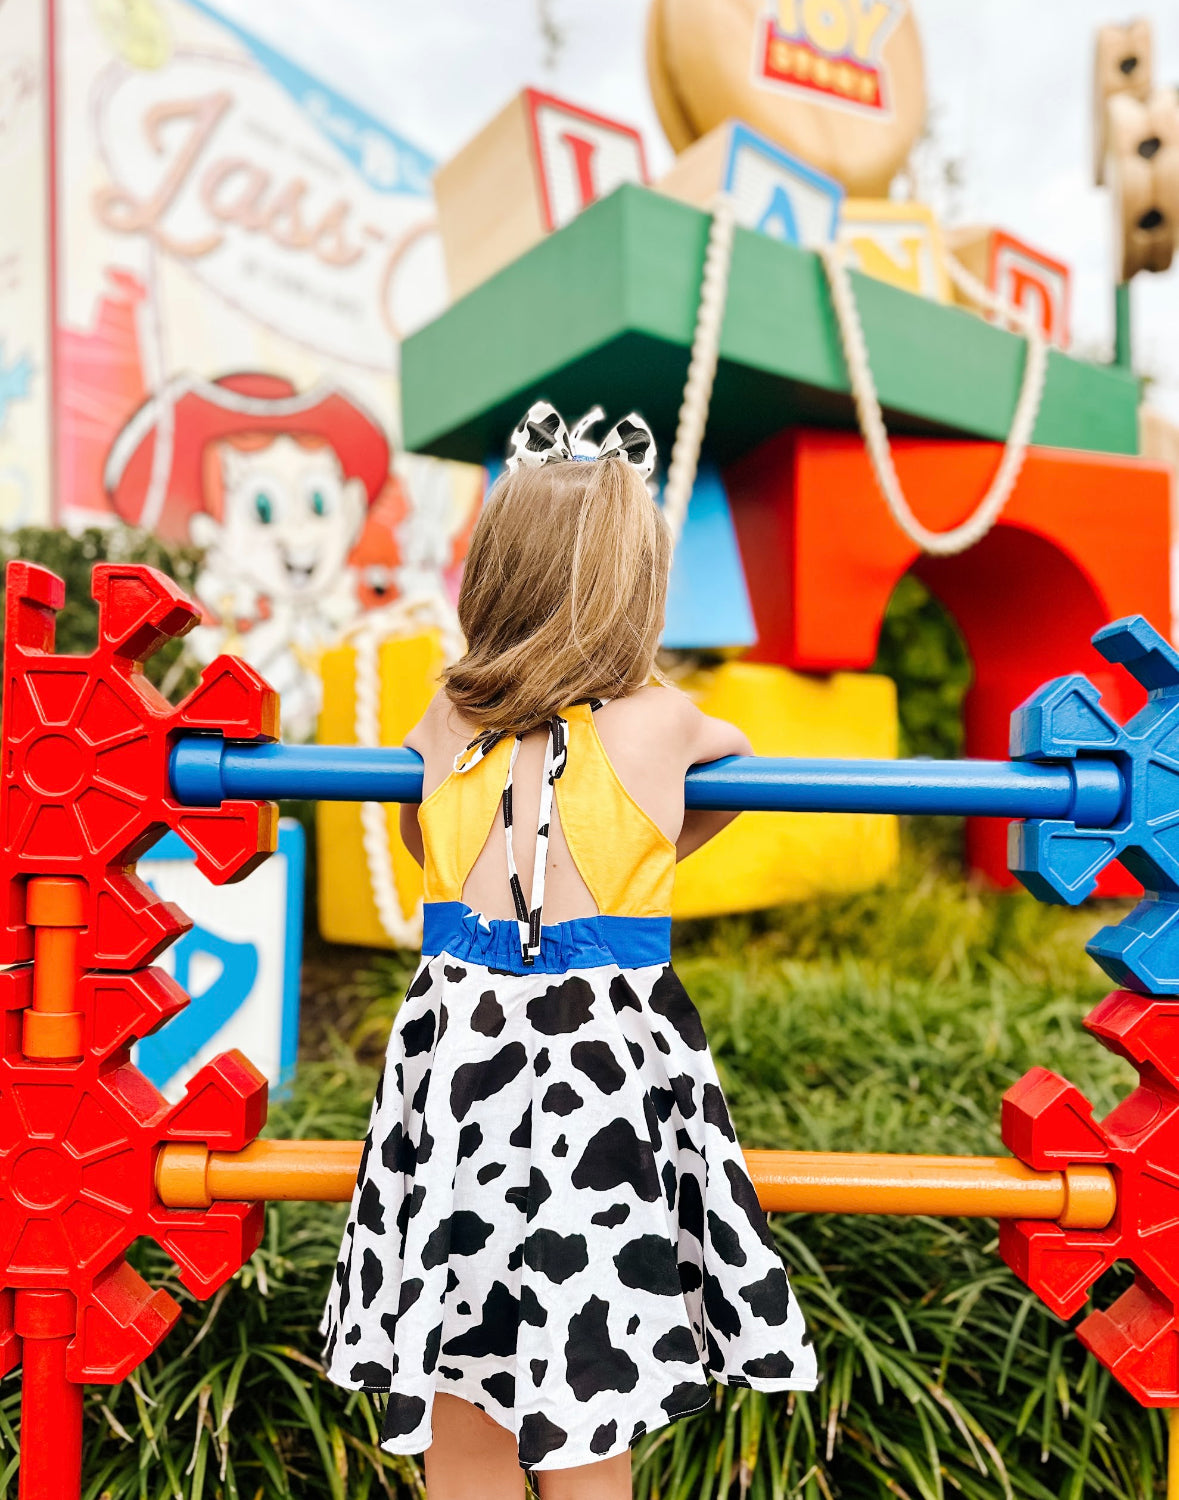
(649, 740)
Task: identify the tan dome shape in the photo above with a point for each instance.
(840, 83)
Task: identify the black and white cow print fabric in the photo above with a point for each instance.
(553, 1220)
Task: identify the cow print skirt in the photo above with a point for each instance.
(552, 1218)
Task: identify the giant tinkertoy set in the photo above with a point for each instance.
(97, 765)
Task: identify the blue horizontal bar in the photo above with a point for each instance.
(205, 770)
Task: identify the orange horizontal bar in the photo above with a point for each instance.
(1000, 1187)
(992, 1187)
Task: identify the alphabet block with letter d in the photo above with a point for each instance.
(1020, 274)
(534, 167)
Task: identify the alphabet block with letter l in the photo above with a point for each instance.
(896, 242)
(1017, 272)
(771, 190)
(534, 167)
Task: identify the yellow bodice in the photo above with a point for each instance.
(624, 857)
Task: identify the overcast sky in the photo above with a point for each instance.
(1009, 83)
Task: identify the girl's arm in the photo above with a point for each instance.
(713, 739)
(411, 833)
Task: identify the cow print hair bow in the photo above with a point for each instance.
(542, 438)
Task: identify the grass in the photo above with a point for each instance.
(888, 1021)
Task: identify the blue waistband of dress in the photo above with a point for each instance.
(585, 943)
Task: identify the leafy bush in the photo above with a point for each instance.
(921, 650)
(72, 557)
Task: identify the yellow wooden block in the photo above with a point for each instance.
(530, 170)
(896, 242)
(409, 669)
(760, 860)
(765, 859)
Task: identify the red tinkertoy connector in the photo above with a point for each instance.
(1049, 1124)
(83, 793)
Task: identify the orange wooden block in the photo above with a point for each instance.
(1085, 538)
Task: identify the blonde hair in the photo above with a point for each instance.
(563, 593)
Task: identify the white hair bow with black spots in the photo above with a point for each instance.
(542, 438)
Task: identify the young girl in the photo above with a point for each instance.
(554, 1241)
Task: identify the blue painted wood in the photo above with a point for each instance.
(708, 605)
(205, 770)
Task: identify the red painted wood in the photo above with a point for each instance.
(1085, 538)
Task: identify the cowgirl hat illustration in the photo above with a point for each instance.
(154, 475)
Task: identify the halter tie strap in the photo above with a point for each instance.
(528, 913)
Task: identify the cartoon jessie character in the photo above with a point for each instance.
(275, 485)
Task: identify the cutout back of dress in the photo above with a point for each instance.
(626, 861)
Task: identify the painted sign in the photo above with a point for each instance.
(830, 49)
(838, 83)
(24, 253)
(227, 252)
(239, 962)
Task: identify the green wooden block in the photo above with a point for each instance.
(604, 310)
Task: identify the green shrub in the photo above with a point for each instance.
(921, 650)
(72, 557)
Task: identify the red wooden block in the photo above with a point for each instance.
(1084, 539)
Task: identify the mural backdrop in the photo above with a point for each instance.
(209, 265)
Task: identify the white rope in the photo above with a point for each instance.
(871, 418)
(710, 315)
(403, 618)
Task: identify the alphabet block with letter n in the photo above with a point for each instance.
(1020, 274)
(771, 190)
(534, 167)
(896, 242)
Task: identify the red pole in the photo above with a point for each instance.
(50, 1405)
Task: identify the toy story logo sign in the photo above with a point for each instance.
(829, 50)
(208, 160)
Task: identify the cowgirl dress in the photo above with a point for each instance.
(552, 1218)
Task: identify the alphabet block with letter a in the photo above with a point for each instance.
(1020, 274)
(529, 171)
(771, 190)
(896, 242)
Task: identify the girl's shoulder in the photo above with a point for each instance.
(662, 713)
(657, 712)
(440, 728)
(658, 704)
